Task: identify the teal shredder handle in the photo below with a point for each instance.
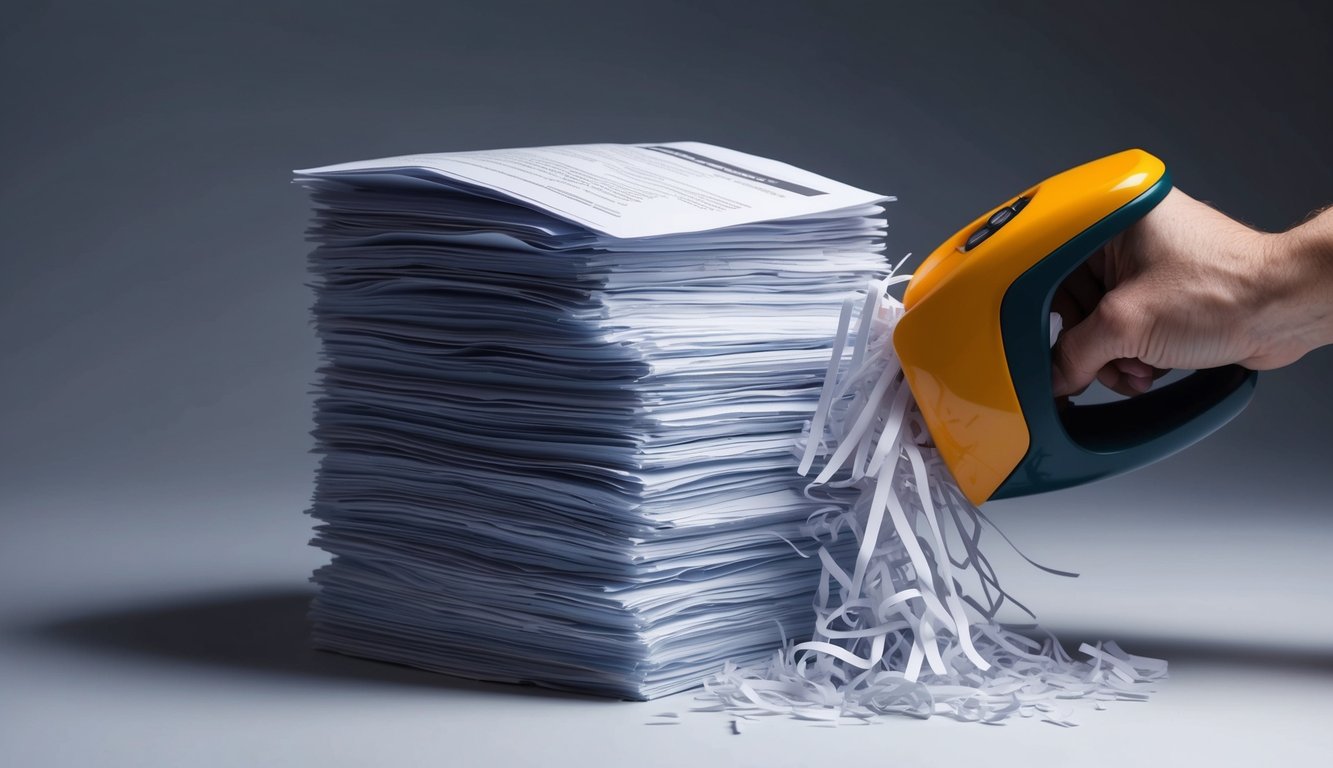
(1082, 443)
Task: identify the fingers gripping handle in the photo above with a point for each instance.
(1082, 443)
(1164, 420)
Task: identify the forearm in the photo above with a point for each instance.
(1298, 279)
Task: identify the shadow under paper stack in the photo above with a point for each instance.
(558, 449)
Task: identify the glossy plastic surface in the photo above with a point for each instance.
(950, 339)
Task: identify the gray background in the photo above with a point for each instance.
(156, 358)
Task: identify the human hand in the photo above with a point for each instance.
(1185, 287)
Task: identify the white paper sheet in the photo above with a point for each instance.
(631, 190)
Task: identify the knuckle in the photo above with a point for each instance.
(1122, 316)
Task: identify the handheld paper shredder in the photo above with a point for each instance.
(974, 343)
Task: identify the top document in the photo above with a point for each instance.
(630, 190)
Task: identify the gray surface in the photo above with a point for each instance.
(169, 631)
(156, 354)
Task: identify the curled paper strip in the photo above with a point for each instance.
(906, 613)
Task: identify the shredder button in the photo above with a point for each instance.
(975, 239)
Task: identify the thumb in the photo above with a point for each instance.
(1083, 350)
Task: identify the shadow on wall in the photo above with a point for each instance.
(262, 632)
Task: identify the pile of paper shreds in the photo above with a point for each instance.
(906, 623)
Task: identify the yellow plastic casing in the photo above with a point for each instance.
(949, 339)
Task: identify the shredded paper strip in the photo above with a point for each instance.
(907, 609)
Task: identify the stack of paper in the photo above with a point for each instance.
(557, 415)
